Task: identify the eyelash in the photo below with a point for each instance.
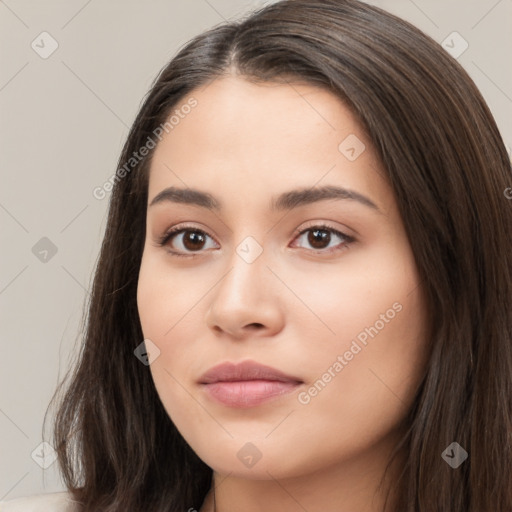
(348, 240)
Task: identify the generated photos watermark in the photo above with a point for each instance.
(100, 192)
(305, 397)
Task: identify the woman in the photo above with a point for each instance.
(302, 300)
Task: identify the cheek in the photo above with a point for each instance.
(363, 379)
(165, 296)
(169, 306)
(365, 394)
(378, 354)
(371, 297)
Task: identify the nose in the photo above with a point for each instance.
(247, 301)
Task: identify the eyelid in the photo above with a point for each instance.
(346, 232)
(325, 226)
(178, 229)
(320, 225)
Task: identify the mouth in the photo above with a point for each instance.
(246, 384)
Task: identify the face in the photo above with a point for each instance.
(320, 286)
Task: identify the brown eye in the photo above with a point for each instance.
(193, 240)
(183, 241)
(320, 237)
(189, 241)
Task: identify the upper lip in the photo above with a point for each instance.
(246, 370)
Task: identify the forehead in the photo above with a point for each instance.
(255, 138)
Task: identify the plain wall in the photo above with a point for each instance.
(63, 121)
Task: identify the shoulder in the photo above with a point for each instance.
(51, 502)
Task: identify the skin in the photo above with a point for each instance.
(294, 307)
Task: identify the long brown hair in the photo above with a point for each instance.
(448, 167)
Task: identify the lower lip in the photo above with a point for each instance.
(248, 393)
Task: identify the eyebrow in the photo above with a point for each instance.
(285, 201)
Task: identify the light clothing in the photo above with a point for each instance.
(50, 502)
(63, 502)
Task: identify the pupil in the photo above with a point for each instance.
(193, 240)
(318, 237)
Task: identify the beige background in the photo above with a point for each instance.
(63, 122)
